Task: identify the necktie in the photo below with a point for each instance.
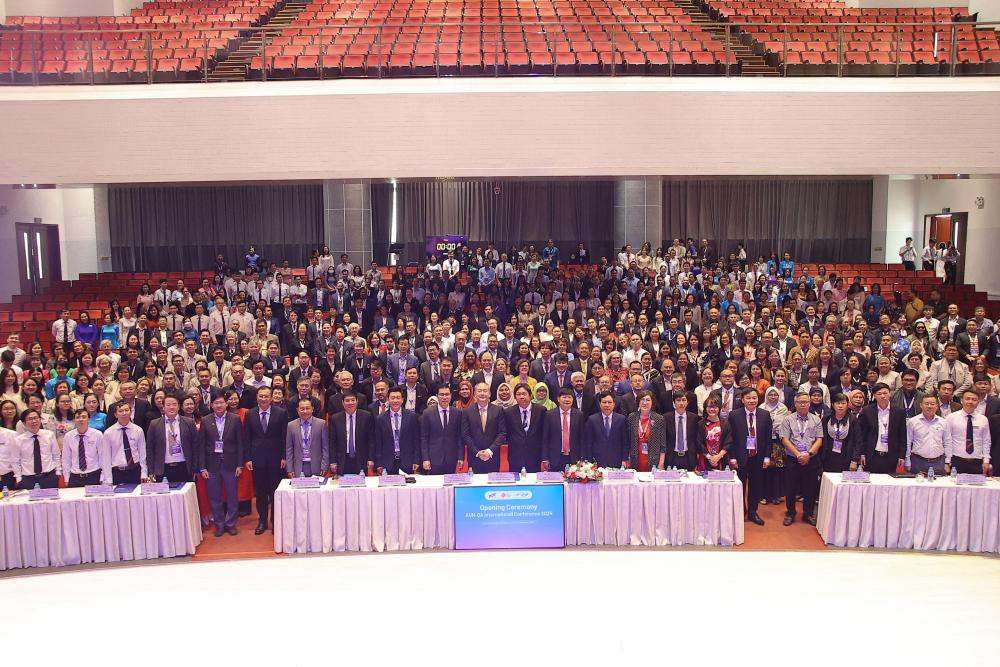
(220, 374)
(82, 453)
(681, 447)
(395, 431)
(565, 434)
(128, 447)
(968, 435)
(434, 373)
(607, 426)
(350, 435)
(263, 421)
(444, 418)
(545, 367)
(38, 456)
(65, 339)
(753, 434)
(175, 445)
(524, 420)
(482, 418)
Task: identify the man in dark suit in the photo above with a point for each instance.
(562, 433)
(399, 361)
(307, 443)
(352, 437)
(138, 405)
(990, 405)
(524, 423)
(560, 376)
(682, 435)
(397, 437)
(483, 431)
(441, 436)
(246, 393)
(542, 366)
(171, 444)
(488, 375)
(205, 388)
(414, 393)
(264, 428)
(750, 454)
(605, 436)
(883, 434)
(220, 459)
(677, 388)
(430, 369)
(584, 398)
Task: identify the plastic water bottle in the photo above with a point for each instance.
(566, 470)
(652, 469)
(6, 493)
(384, 472)
(954, 474)
(524, 474)
(861, 468)
(38, 487)
(930, 474)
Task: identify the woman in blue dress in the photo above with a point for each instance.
(86, 330)
(111, 332)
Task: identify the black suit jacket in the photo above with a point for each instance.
(265, 447)
(552, 435)
(156, 443)
(232, 445)
(524, 448)
(364, 439)
(494, 385)
(691, 427)
(138, 412)
(607, 449)
(740, 430)
(409, 442)
(869, 432)
(442, 447)
(248, 398)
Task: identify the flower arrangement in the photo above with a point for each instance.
(583, 472)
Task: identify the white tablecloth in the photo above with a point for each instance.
(421, 515)
(691, 511)
(75, 529)
(899, 513)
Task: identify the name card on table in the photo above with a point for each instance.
(43, 494)
(150, 488)
(720, 475)
(501, 478)
(616, 475)
(452, 479)
(92, 490)
(861, 476)
(667, 475)
(549, 477)
(305, 482)
(971, 479)
(351, 480)
(391, 480)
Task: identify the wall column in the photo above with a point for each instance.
(638, 212)
(347, 219)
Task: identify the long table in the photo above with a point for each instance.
(902, 513)
(74, 529)
(421, 515)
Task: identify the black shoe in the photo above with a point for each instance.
(810, 520)
(219, 530)
(243, 513)
(259, 530)
(231, 530)
(754, 518)
(789, 520)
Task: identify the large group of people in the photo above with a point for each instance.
(678, 356)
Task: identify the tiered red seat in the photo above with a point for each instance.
(418, 37)
(179, 38)
(919, 40)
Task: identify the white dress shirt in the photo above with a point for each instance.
(92, 449)
(925, 437)
(7, 452)
(955, 425)
(174, 451)
(24, 453)
(114, 452)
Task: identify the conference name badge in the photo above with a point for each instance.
(752, 444)
(838, 446)
(218, 446)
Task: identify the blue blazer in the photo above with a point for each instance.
(392, 363)
(409, 441)
(552, 382)
(606, 449)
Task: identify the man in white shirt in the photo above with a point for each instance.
(451, 264)
(124, 446)
(908, 255)
(969, 442)
(36, 458)
(64, 331)
(83, 462)
(926, 438)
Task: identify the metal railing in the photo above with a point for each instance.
(378, 52)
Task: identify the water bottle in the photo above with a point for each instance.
(652, 469)
(930, 474)
(566, 470)
(6, 493)
(954, 474)
(861, 468)
(38, 487)
(524, 474)
(384, 472)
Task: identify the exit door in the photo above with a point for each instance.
(38, 256)
(944, 227)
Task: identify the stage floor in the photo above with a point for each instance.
(575, 606)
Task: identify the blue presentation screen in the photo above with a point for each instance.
(509, 517)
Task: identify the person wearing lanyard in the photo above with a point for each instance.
(883, 434)
(647, 435)
(802, 437)
(397, 437)
(220, 458)
(968, 442)
(682, 435)
(840, 437)
(908, 397)
(750, 453)
(124, 445)
(82, 460)
(307, 449)
(926, 439)
(36, 454)
(171, 441)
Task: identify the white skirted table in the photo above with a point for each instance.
(74, 529)
(902, 513)
(421, 515)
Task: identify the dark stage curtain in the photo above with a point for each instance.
(521, 212)
(815, 220)
(381, 220)
(161, 228)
